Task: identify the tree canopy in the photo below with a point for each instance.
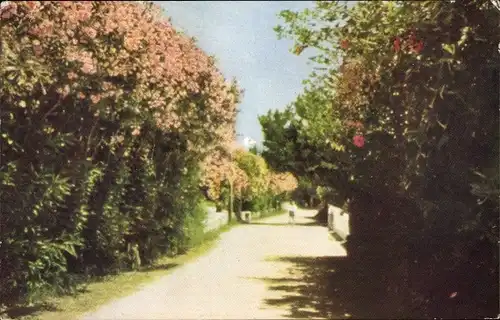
(399, 117)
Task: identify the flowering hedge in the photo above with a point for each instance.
(106, 114)
(100, 53)
(283, 182)
(218, 169)
(413, 119)
(251, 179)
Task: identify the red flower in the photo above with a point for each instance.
(344, 44)
(359, 141)
(417, 47)
(397, 44)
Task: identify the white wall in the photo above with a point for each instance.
(338, 222)
(215, 220)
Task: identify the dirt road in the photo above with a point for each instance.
(256, 271)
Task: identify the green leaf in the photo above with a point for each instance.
(450, 48)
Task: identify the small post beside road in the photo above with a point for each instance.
(230, 209)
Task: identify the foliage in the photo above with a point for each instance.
(402, 119)
(256, 170)
(252, 181)
(106, 114)
(218, 168)
(282, 183)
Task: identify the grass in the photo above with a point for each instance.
(97, 292)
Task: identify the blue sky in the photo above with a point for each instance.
(240, 34)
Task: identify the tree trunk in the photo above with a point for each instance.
(230, 209)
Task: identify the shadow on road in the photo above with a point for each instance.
(325, 287)
(336, 287)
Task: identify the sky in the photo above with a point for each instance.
(240, 35)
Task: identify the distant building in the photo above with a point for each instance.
(249, 142)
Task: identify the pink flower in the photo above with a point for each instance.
(31, 4)
(88, 68)
(136, 132)
(72, 75)
(354, 124)
(35, 31)
(8, 11)
(131, 43)
(95, 98)
(90, 32)
(359, 141)
(84, 14)
(344, 44)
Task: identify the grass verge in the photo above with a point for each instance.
(99, 291)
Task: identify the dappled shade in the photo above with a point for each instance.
(338, 287)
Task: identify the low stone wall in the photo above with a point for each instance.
(338, 221)
(285, 206)
(215, 220)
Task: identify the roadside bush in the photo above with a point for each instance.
(106, 113)
(413, 121)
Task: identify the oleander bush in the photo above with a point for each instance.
(106, 114)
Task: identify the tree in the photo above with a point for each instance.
(409, 105)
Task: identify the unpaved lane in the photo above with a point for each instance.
(227, 283)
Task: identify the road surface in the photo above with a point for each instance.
(256, 271)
